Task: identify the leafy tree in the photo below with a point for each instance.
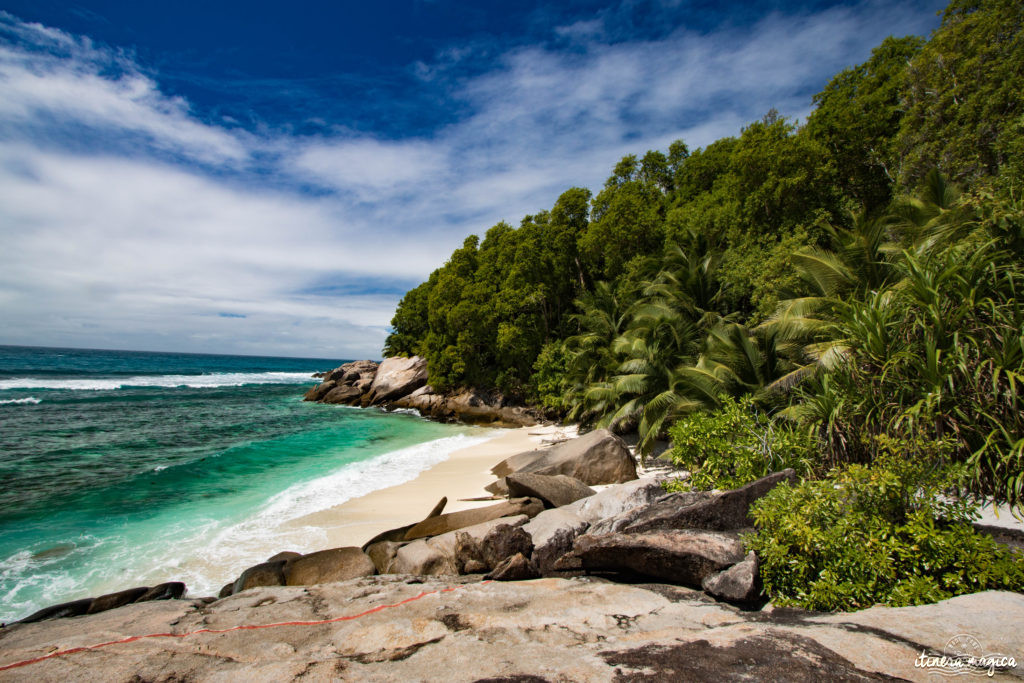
(963, 104)
(857, 116)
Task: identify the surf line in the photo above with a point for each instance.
(243, 627)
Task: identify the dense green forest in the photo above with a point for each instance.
(850, 279)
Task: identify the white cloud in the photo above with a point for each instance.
(143, 250)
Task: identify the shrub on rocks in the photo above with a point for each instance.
(880, 534)
(735, 445)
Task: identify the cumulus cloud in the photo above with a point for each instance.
(128, 221)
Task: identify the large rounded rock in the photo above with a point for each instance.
(265, 574)
(553, 490)
(435, 526)
(352, 371)
(328, 566)
(598, 457)
(683, 557)
(397, 377)
(663, 508)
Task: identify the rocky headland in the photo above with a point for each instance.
(578, 570)
(401, 383)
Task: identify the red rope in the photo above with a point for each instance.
(244, 627)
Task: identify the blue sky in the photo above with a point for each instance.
(268, 178)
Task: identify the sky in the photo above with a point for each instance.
(269, 178)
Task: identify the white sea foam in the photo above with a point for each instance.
(267, 531)
(202, 551)
(31, 400)
(224, 379)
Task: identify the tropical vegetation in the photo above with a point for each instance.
(811, 293)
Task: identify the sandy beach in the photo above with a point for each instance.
(462, 476)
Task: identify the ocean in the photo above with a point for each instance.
(127, 468)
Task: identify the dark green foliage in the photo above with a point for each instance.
(963, 96)
(410, 326)
(733, 446)
(857, 117)
(878, 534)
(788, 263)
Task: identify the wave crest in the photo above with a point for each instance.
(211, 381)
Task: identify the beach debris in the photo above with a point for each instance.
(434, 526)
(439, 508)
(398, 534)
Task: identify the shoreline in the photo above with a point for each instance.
(461, 476)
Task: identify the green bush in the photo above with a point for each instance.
(877, 534)
(735, 445)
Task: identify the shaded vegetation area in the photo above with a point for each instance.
(801, 294)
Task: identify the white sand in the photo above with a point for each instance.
(463, 475)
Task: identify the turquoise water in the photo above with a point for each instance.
(128, 468)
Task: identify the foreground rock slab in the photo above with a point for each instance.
(545, 629)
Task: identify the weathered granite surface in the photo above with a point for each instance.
(540, 630)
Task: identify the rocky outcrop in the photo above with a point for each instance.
(164, 591)
(554, 491)
(598, 457)
(553, 532)
(395, 378)
(402, 383)
(700, 510)
(439, 555)
(403, 629)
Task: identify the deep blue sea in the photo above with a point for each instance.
(123, 468)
